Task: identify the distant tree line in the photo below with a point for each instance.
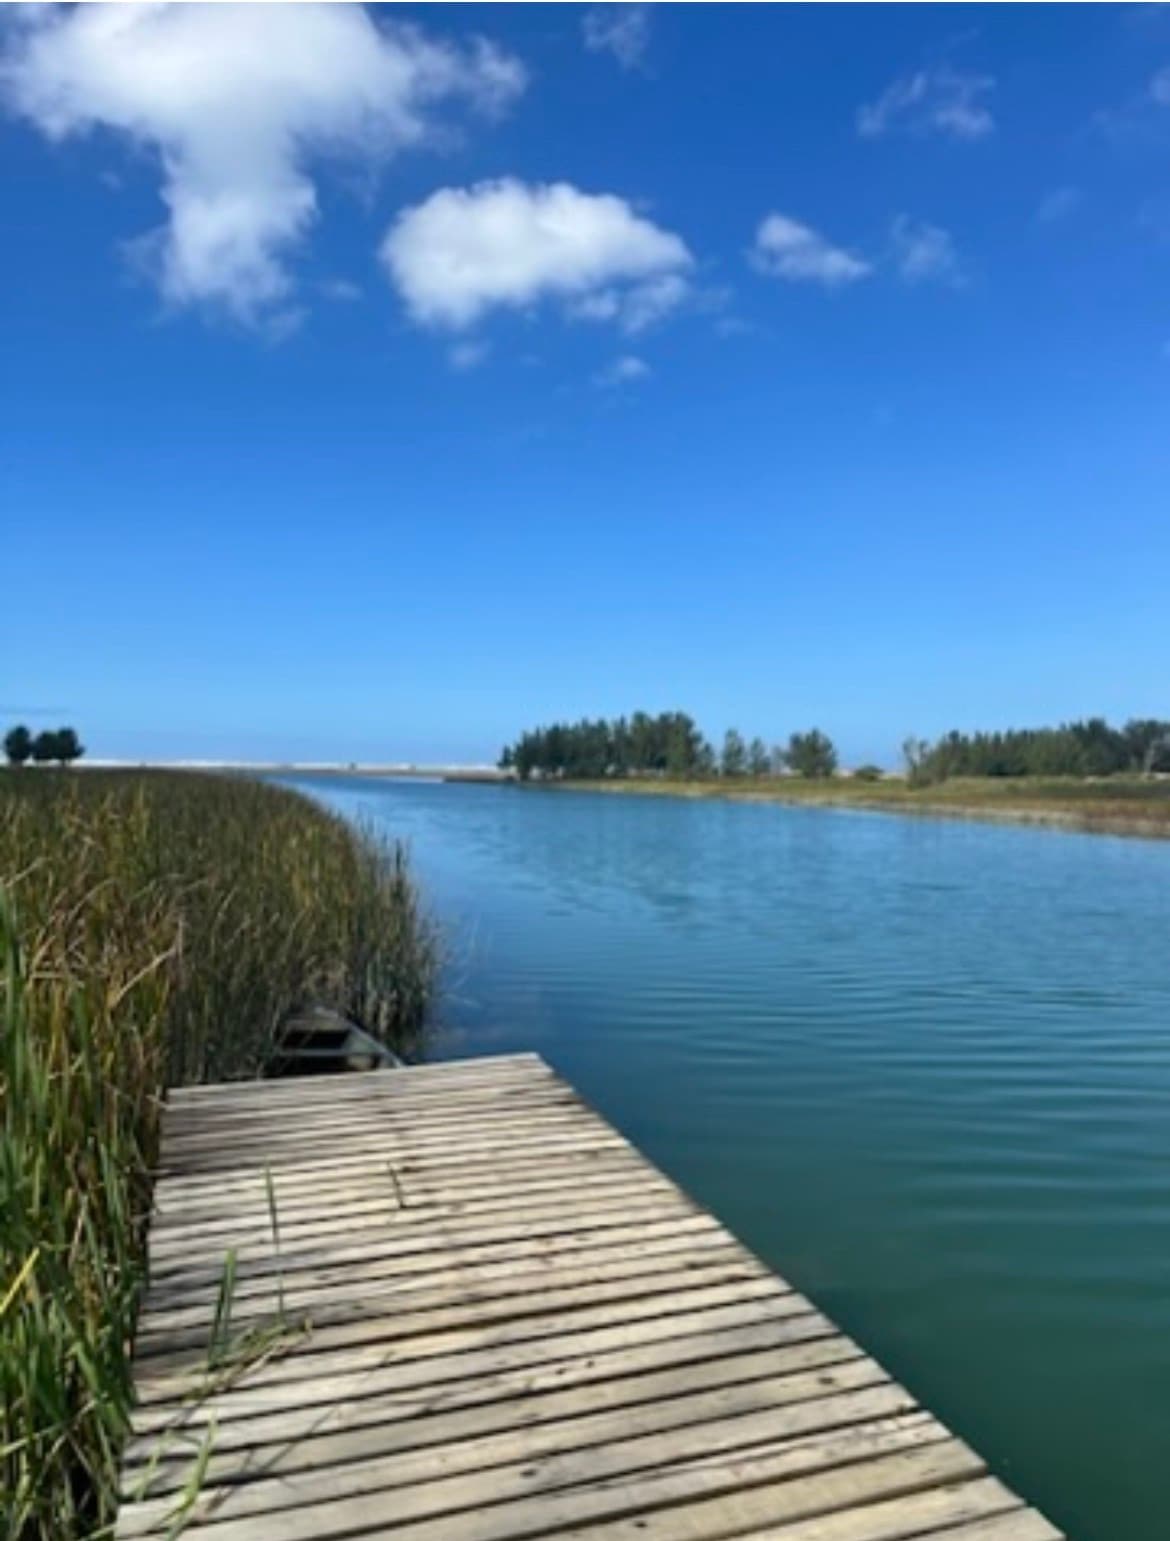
(59, 746)
(1088, 748)
(667, 745)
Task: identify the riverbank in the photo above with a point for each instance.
(155, 929)
(1116, 806)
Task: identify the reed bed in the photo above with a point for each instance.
(155, 928)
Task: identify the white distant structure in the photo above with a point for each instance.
(308, 767)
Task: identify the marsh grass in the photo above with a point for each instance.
(154, 929)
(1110, 804)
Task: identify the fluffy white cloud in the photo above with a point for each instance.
(939, 100)
(784, 248)
(235, 101)
(623, 371)
(622, 30)
(924, 253)
(465, 251)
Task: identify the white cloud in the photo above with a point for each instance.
(622, 30)
(465, 251)
(465, 356)
(639, 307)
(924, 253)
(938, 100)
(784, 248)
(623, 371)
(1058, 205)
(235, 102)
(600, 305)
(1141, 121)
(649, 303)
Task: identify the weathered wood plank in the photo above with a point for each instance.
(438, 1179)
(973, 1510)
(406, 1230)
(517, 1328)
(380, 1344)
(192, 1309)
(607, 1443)
(784, 1319)
(493, 1278)
(786, 1480)
(317, 1218)
(416, 1418)
(557, 1418)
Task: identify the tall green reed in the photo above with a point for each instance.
(154, 928)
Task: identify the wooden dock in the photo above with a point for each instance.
(465, 1309)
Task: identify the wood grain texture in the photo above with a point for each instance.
(481, 1315)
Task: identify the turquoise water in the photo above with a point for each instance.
(923, 1068)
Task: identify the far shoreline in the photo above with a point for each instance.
(1140, 810)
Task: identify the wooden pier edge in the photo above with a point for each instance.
(451, 1303)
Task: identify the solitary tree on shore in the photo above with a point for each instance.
(18, 744)
(758, 760)
(733, 761)
(812, 754)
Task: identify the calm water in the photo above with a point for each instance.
(922, 1068)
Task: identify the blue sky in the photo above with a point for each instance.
(376, 387)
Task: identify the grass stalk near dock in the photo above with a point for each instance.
(154, 928)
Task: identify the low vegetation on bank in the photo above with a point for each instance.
(1113, 805)
(154, 928)
(1087, 774)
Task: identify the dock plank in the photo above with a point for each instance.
(483, 1316)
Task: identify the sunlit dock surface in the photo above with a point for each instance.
(450, 1303)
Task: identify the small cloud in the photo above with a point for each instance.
(1058, 205)
(733, 326)
(939, 100)
(623, 371)
(1154, 218)
(1144, 119)
(277, 326)
(924, 253)
(621, 30)
(341, 290)
(507, 244)
(465, 356)
(784, 248)
(601, 305)
(650, 303)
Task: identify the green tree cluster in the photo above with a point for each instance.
(59, 745)
(668, 745)
(1087, 748)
